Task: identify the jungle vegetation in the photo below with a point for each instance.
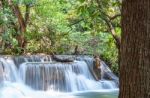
(89, 27)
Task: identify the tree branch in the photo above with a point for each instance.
(108, 19)
(76, 22)
(17, 12)
(115, 16)
(113, 33)
(1, 5)
(27, 14)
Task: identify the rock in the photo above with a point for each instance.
(1, 72)
(96, 68)
(62, 58)
(96, 73)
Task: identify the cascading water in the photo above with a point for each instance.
(40, 77)
(8, 70)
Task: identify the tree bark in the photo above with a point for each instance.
(22, 22)
(27, 15)
(135, 49)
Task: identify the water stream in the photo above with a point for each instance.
(41, 77)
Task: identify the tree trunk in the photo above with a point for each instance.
(135, 49)
(22, 22)
(19, 16)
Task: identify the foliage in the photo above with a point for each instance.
(60, 25)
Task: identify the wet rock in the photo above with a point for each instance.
(1, 72)
(62, 58)
(96, 68)
(97, 73)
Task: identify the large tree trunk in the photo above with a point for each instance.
(135, 49)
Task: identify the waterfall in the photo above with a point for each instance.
(41, 73)
(8, 69)
(68, 77)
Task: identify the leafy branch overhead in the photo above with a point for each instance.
(101, 15)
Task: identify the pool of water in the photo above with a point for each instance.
(16, 90)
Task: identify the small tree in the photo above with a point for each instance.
(22, 21)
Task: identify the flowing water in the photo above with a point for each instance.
(40, 77)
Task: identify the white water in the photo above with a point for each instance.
(52, 80)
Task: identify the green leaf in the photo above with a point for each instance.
(82, 1)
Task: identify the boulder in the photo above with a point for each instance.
(62, 58)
